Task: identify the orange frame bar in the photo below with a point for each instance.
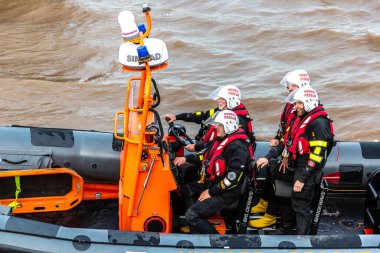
(51, 203)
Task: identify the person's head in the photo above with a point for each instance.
(222, 103)
(305, 100)
(293, 80)
(227, 97)
(225, 123)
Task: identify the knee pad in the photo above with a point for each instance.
(191, 216)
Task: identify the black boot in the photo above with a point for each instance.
(283, 230)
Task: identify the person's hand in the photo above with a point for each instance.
(262, 162)
(273, 142)
(190, 147)
(204, 195)
(178, 161)
(284, 165)
(298, 186)
(170, 118)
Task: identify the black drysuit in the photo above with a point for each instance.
(224, 190)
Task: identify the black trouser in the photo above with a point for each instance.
(191, 191)
(198, 213)
(267, 183)
(189, 173)
(302, 204)
(296, 211)
(276, 204)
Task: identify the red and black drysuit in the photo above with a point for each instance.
(307, 141)
(226, 164)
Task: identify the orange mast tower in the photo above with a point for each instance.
(145, 175)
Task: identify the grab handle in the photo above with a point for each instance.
(12, 162)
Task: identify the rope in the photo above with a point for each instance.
(15, 204)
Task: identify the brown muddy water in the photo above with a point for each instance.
(59, 59)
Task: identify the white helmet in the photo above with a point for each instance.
(297, 77)
(229, 120)
(230, 93)
(308, 96)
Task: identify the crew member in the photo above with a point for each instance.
(308, 143)
(228, 97)
(224, 168)
(307, 146)
(292, 81)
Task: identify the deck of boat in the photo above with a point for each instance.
(341, 215)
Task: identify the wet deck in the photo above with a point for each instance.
(341, 215)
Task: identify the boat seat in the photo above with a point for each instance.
(284, 189)
(372, 204)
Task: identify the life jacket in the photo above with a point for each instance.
(239, 110)
(287, 116)
(296, 139)
(207, 132)
(210, 135)
(213, 162)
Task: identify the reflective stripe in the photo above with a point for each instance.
(317, 150)
(315, 158)
(232, 187)
(226, 182)
(201, 157)
(318, 144)
(198, 113)
(212, 111)
(241, 174)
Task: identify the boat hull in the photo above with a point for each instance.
(23, 235)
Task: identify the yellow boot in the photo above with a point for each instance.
(264, 221)
(185, 229)
(261, 207)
